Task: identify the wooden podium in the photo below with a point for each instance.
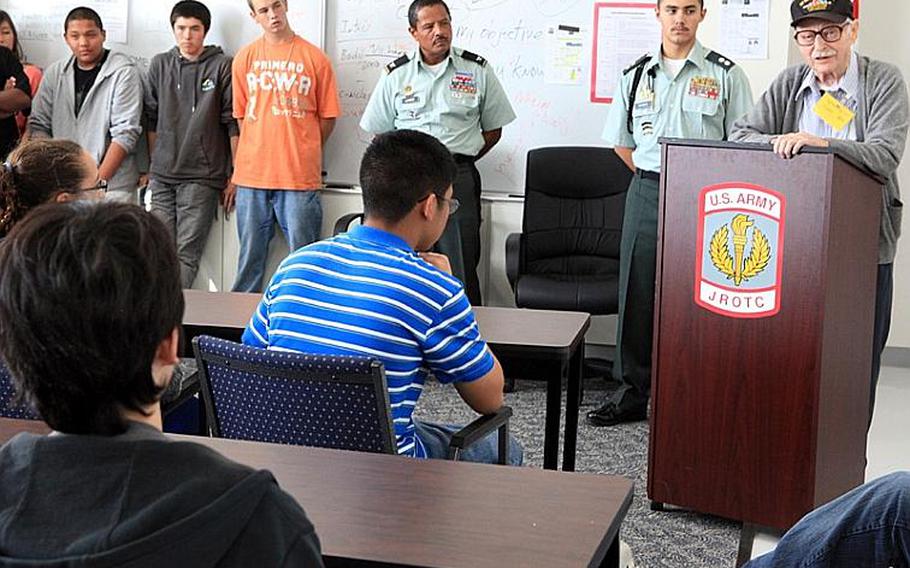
(766, 273)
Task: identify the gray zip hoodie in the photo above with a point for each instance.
(111, 112)
(189, 105)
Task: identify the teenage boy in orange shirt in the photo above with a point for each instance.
(286, 102)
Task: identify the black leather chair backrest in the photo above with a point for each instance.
(574, 201)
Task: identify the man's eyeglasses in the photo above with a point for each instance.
(100, 186)
(454, 204)
(829, 34)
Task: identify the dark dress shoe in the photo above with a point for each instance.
(608, 414)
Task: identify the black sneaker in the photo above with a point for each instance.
(608, 414)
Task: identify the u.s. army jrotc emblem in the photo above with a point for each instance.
(740, 241)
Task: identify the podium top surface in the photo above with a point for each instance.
(761, 147)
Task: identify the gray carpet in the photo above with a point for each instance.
(674, 539)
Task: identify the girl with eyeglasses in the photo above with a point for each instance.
(42, 171)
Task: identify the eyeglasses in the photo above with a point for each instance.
(454, 204)
(829, 34)
(100, 186)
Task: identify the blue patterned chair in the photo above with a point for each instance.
(338, 402)
(8, 408)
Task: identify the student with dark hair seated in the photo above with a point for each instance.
(376, 291)
(90, 304)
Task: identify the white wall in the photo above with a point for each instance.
(760, 72)
(880, 37)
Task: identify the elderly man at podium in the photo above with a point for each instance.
(853, 104)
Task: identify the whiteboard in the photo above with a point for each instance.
(148, 27)
(514, 35)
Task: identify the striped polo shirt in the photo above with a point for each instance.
(366, 292)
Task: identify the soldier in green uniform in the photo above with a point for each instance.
(453, 95)
(684, 91)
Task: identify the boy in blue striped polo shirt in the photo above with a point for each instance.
(368, 292)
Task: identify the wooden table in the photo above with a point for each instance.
(376, 509)
(550, 343)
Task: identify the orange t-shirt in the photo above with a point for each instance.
(281, 92)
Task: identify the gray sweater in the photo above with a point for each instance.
(111, 112)
(881, 130)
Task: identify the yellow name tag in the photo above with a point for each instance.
(833, 112)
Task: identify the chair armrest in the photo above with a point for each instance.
(183, 386)
(514, 264)
(342, 224)
(479, 429)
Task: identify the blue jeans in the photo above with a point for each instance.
(436, 438)
(298, 213)
(868, 527)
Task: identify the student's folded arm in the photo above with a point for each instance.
(14, 100)
(17, 93)
(455, 353)
(484, 395)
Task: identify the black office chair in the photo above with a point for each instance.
(345, 221)
(567, 255)
(339, 402)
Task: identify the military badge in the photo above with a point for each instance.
(704, 87)
(740, 243)
(409, 97)
(463, 83)
(644, 98)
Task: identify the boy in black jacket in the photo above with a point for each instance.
(192, 135)
(90, 304)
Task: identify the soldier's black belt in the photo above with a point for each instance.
(463, 159)
(654, 176)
